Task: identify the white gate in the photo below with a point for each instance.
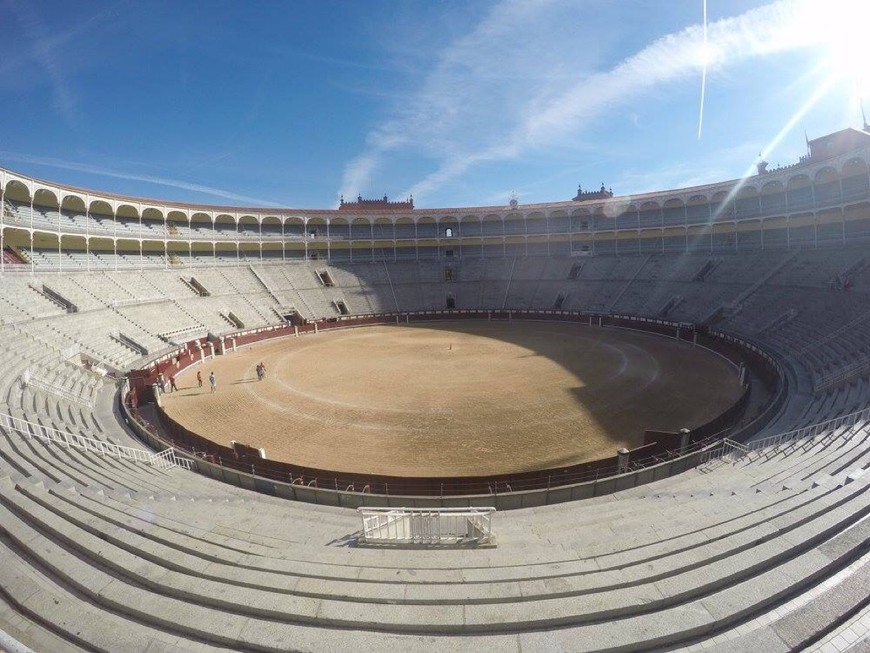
(427, 525)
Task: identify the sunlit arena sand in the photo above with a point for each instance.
(454, 399)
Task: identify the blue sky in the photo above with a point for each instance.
(291, 104)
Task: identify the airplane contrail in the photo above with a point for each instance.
(703, 73)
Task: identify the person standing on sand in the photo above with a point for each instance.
(199, 377)
(172, 386)
(212, 381)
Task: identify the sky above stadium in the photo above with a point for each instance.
(292, 104)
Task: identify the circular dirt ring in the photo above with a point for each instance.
(455, 399)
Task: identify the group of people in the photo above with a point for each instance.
(162, 381)
(212, 379)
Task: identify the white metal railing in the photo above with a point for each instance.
(830, 430)
(71, 351)
(427, 525)
(732, 449)
(52, 388)
(166, 459)
(137, 301)
(841, 375)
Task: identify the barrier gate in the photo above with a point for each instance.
(427, 525)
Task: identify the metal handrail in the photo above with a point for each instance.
(166, 459)
(426, 525)
(52, 388)
(781, 442)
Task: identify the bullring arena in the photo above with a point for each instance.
(608, 423)
(455, 399)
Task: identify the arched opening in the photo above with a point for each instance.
(321, 241)
(152, 254)
(271, 245)
(855, 180)
(469, 225)
(75, 248)
(384, 246)
(426, 227)
(361, 229)
(16, 193)
(622, 213)
(557, 222)
(698, 210)
(427, 234)
(581, 220)
(294, 228)
(177, 224)
(248, 250)
(650, 214)
(270, 227)
(448, 227)
(128, 253)
(45, 251)
(405, 230)
(102, 252)
(826, 187)
(73, 212)
(721, 206)
(127, 219)
(747, 204)
(223, 228)
(799, 193)
(249, 227)
(382, 229)
(339, 229)
(674, 212)
(492, 225)
(46, 209)
(153, 225)
(772, 198)
(514, 224)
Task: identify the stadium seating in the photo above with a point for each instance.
(104, 553)
(764, 547)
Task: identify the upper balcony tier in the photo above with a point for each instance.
(816, 183)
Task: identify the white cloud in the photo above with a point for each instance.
(130, 176)
(357, 175)
(504, 89)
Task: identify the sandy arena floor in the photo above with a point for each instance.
(454, 399)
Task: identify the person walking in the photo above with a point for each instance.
(199, 377)
(172, 386)
(212, 381)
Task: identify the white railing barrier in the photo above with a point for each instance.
(841, 375)
(427, 525)
(832, 429)
(52, 388)
(165, 459)
(733, 450)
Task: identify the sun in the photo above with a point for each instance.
(841, 29)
